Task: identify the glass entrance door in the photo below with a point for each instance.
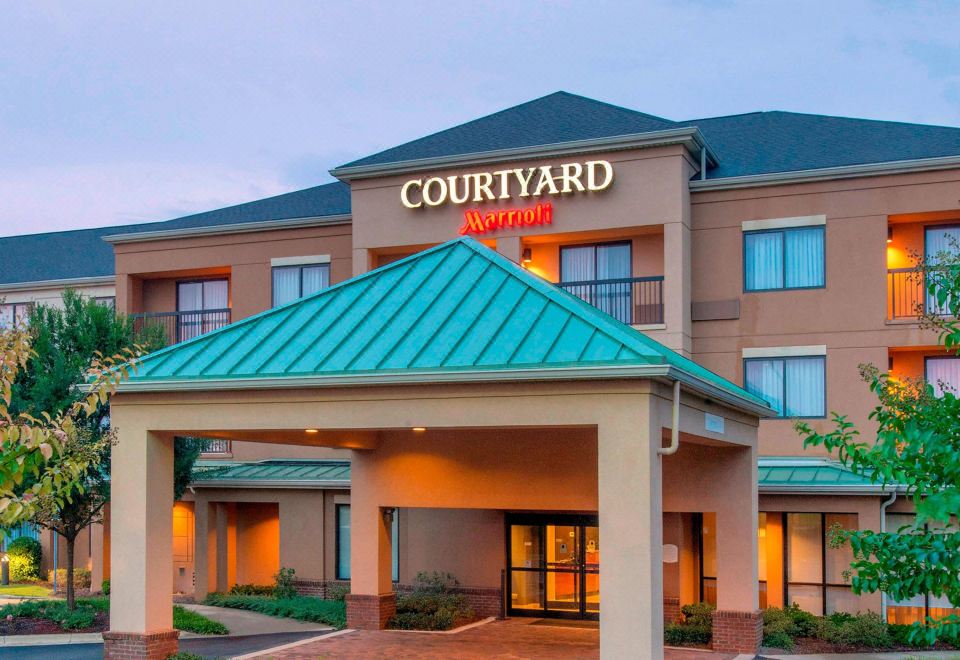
(554, 566)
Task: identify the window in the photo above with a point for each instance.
(293, 282)
(14, 314)
(592, 265)
(793, 386)
(202, 306)
(815, 578)
(783, 259)
(343, 543)
(106, 301)
(943, 373)
(938, 241)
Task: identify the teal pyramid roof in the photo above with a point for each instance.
(458, 311)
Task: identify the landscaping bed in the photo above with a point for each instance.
(302, 608)
(432, 605)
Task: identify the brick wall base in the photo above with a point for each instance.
(321, 588)
(140, 646)
(737, 632)
(485, 601)
(671, 611)
(366, 612)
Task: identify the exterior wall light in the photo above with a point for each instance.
(388, 514)
(890, 234)
(527, 256)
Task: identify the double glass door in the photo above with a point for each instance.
(554, 566)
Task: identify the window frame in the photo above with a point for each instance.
(395, 543)
(823, 584)
(783, 259)
(926, 373)
(299, 268)
(27, 307)
(201, 280)
(784, 358)
(628, 242)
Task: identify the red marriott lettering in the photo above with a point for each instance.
(476, 221)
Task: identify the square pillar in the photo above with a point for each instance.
(201, 548)
(141, 600)
(371, 601)
(738, 622)
(677, 287)
(631, 533)
(511, 247)
(226, 545)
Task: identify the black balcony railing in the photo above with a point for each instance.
(908, 296)
(215, 446)
(633, 300)
(181, 326)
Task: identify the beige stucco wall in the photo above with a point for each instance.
(469, 543)
(52, 296)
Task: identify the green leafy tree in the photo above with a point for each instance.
(64, 339)
(917, 446)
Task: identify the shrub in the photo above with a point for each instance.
(338, 592)
(698, 614)
(855, 630)
(252, 590)
(81, 578)
(105, 587)
(25, 555)
(302, 608)
(184, 655)
(436, 581)
(682, 634)
(285, 587)
(778, 639)
(432, 605)
(56, 610)
(184, 619)
(901, 635)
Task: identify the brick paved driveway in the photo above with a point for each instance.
(514, 639)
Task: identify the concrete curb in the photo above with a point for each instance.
(291, 645)
(50, 640)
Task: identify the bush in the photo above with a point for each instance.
(302, 608)
(81, 578)
(252, 590)
(679, 634)
(184, 655)
(901, 635)
(778, 640)
(698, 614)
(432, 605)
(56, 611)
(184, 619)
(25, 555)
(855, 630)
(338, 592)
(105, 587)
(285, 587)
(435, 581)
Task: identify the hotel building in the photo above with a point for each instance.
(557, 347)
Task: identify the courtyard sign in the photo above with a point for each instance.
(565, 179)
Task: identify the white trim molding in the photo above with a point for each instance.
(58, 284)
(784, 351)
(300, 261)
(236, 228)
(784, 223)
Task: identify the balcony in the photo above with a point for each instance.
(907, 296)
(634, 300)
(181, 326)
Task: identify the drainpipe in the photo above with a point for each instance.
(883, 528)
(675, 429)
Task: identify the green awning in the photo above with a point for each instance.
(287, 473)
(454, 313)
(812, 475)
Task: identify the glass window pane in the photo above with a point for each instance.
(6, 316)
(807, 597)
(286, 285)
(395, 546)
(526, 590)
(315, 278)
(945, 240)
(804, 547)
(944, 375)
(765, 379)
(578, 264)
(562, 547)
(526, 546)
(804, 256)
(762, 546)
(709, 540)
(189, 296)
(805, 387)
(838, 559)
(613, 261)
(215, 294)
(763, 261)
(343, 541)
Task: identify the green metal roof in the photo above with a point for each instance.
(812, 474)
(273, 473)
(456, 312)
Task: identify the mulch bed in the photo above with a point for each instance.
(812, 645)
(29, 626)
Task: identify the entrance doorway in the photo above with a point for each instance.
(554, 566)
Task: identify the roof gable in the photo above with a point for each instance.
(454, 308)
(553, 119)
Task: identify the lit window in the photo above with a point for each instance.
(943, 373)
(783, 259)
(293, 282)
(793, 386)
(343, 543)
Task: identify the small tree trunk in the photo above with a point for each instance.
(71, 596)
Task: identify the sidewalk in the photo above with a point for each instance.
(897, 655)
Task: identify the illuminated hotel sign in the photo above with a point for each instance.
(478, 187)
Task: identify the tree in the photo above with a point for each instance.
(917, 446)
(64, 339)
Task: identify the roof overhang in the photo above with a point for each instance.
(299, 484)
(58, 284)
(412, 377)
(827, 174)
(690, 137)
(235, 228)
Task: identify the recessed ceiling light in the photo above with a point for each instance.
(419, 429)
(311, 430)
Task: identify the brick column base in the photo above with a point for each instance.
(366, 612)
(156, 645)
(737, 632)
(671, 611)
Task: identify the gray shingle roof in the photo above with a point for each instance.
(84, 253)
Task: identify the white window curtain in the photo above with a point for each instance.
(765, 379)
(189, 296)
(805, 387)
(613, 263)
(215, 294)
(940, 241)
(578, 264)
(944, 375)
(763, 261)
(315, 278)
(286, 285)
(804, 256)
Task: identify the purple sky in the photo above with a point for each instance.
(129, 112)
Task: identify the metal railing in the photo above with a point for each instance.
(215, 446)
(181, 326)
(908, 295)
(632, 300)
